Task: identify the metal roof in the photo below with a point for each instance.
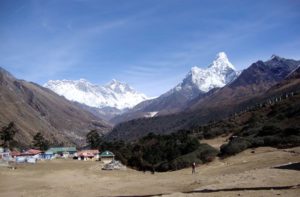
(62, 149)
(107, 154)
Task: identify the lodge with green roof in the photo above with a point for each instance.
(62, 150)
(107, 157)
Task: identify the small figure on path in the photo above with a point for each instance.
(194, 168)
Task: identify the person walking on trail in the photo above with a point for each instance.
(194, 168)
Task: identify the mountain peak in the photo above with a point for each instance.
(275, 57)
(114, 94)
(218, 74)
(83, 80)
(115, 82)
(221, 55)
(119, 86)
(222, 62)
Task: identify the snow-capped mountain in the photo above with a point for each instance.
(196, 83)
(115, 94)
(216, 75)
(262, 81)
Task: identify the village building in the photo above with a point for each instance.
(32, 152)
(64, 152)
(4, 153)
(29, 156)
(88, 155)
(107, 157)
(48, 155)
(15, 153)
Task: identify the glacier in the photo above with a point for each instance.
(114, 94)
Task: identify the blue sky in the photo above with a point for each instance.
(150, 44)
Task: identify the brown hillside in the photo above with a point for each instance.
(37, 109)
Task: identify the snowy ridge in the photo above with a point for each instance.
(150, 114)
(216, 75)
(115, 94)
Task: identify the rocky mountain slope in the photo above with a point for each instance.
(253, 81)
(246, 90)
(37, 109)
(196, 83)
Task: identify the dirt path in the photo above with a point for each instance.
(84, 178)
(216, 142)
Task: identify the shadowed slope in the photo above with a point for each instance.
(37, 109)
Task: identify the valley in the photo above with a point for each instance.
(250, 169)
(149, 98)
(205, 95)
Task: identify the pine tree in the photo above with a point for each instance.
(93, 139)
(40, 142)
(7, 135)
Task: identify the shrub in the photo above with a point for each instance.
(235, 146)
(280, 116)
(257, 142)
(269, 130)
(289, 141)
(272, 141)
(183, 162)
(250, 132)
(291, 131)
(136, 162)
(203, 154)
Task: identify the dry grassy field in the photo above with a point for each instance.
(71, 178)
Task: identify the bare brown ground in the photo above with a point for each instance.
(85, 178)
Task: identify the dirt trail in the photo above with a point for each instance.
(85, 178)
(216, 142)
